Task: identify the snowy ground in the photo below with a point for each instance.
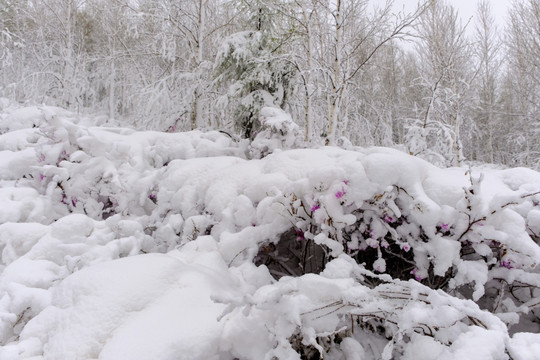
(118, 244)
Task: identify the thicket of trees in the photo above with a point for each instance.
(456, 91)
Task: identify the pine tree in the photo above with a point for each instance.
(254, 71)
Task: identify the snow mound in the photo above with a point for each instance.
(123, 244)
(101, 312)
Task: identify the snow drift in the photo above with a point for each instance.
(122, 244)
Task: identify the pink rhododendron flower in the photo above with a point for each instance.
(406, 247)
(417, 277)
(388, 219)
(445, 227)
(315, 207)
(340, 194)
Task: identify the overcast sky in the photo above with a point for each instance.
(466, 8)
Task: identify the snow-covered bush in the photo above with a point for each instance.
(434, 142)
(336, 315)
(455, 239)
(101, 172)
(311, 253)
(278, 131)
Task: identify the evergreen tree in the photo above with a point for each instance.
(253, 69)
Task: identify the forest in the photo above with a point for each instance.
(265, 179)
(427, 82)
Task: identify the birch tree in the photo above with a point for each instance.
(50, 65)
(303, 19)
(523, 78)
(445, 77)
(488, 55)
(356, 36)
(8, 42)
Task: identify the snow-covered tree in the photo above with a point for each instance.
(355, 35)
(445, 76)
(253, 70)
(488, 55)
(523, 78)
(337, 67)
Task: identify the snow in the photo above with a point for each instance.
(117, 244)
(99, 311)
(525, 346)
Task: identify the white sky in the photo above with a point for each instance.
(466, 8)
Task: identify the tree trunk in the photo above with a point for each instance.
(307, 104)
(112, 84)
(196, 113)
(334, 101)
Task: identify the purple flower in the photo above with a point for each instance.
(385, 244)
(41, 177)
(315, 206)
(74, 201)
(506, 264)
(406, 247)
(388, 219)
(299, 235)
(417, 277)
(340, 194)
(445, 227)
